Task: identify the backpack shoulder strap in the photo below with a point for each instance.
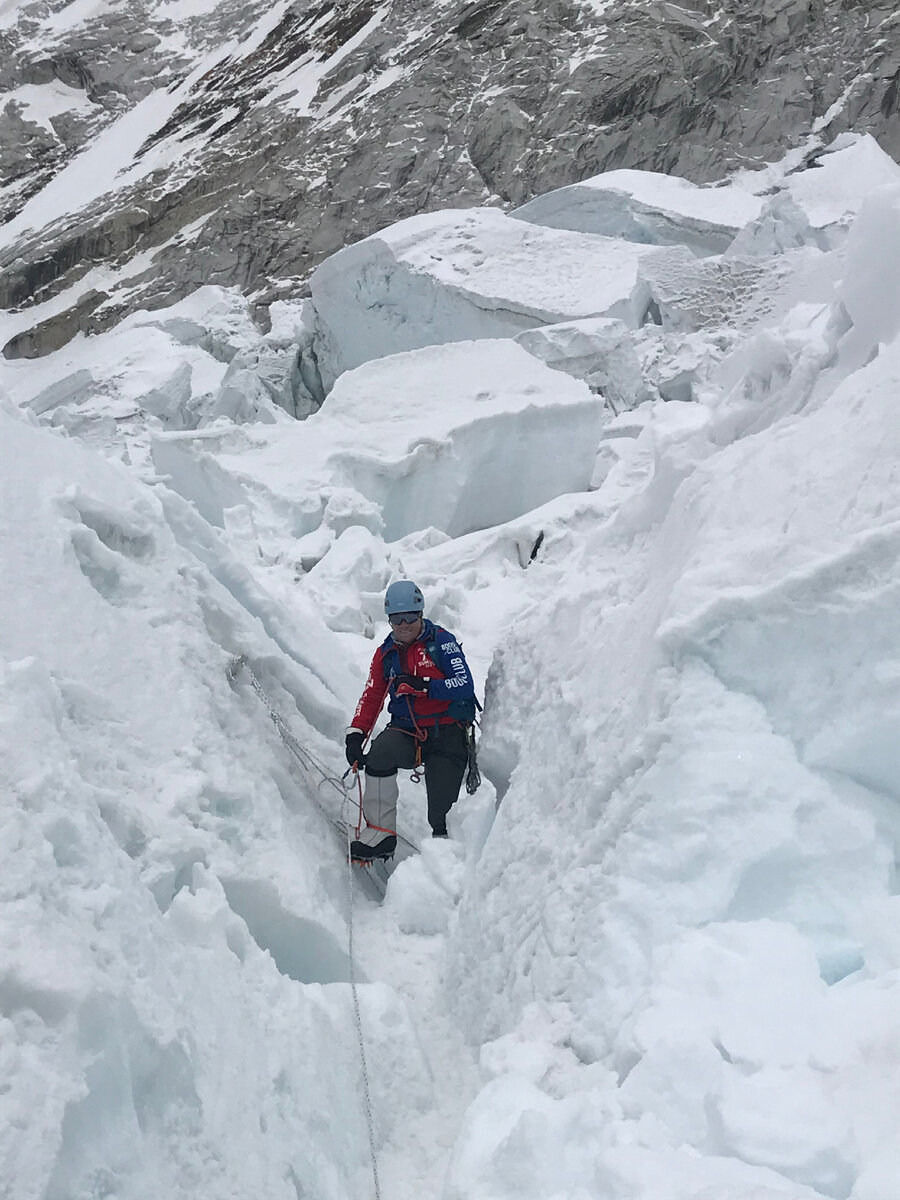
(431, 644)
(387, 657)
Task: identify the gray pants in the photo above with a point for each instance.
(444, 755)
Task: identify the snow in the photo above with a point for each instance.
(300, 84)
(126, 814)
(842, 179)
(844, 174)
(170, 369)
(658, 957)
(40, 103)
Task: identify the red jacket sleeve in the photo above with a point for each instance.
(373, 696)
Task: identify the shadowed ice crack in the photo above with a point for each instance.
(301, 949)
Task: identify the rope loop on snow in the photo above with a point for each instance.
(309, 762)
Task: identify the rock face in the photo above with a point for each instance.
(145, 154)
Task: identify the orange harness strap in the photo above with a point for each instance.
(420, 735)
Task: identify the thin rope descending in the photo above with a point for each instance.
(359, 1029)
(309, 762)
(304, 757)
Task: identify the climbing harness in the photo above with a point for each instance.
(309, 762)
(421, 737)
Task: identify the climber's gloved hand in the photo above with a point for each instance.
(354, 748)
(410, 683)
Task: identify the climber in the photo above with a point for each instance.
(432, 704)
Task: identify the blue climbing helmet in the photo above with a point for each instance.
(403, 596)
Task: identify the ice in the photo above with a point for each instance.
(841, 179)
(644, 206)
(687, 294)
(600, 351)
(658, 957)
(439, 457)
(186, 365)
(870, 289)
(456, 276)
(781, 225)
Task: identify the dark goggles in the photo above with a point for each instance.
(407, 618)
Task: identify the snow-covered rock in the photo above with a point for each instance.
(243, 143)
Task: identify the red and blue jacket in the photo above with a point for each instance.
(435, 655)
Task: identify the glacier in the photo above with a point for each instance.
(653, 486)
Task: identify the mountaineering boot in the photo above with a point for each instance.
(360, 852)
(439, 833)
(378, 838)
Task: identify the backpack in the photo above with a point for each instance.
(464, 708)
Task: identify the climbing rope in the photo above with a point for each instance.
(367, 1091)
(304, 757)
(309, 762)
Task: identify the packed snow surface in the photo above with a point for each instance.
(659, 957)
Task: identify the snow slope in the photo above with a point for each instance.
(164, 924)
(658, 958)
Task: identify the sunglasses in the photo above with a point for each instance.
(408, 618)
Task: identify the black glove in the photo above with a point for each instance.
(354, 748)
(413, 681)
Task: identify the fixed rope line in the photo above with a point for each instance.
(304, 757)
(309, 762)
(367, 1091)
